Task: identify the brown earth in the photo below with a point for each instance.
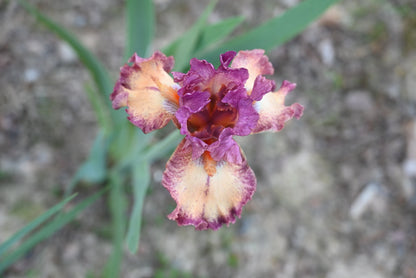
(336, 193)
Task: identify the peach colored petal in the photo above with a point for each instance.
(272, 111)
(255, 62)
(148, 91)
(207, 200)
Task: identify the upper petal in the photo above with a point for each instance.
(208, 193)
(255, 62)
(272, 111)
(148, 91)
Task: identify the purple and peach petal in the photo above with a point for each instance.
(261, 87)
(203, 200)
(148, 91)
(255, 62)
(247, 118)
(273, 112)
(226, 148)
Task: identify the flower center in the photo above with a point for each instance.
(208, 123)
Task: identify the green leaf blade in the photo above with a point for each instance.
(117, 204)
(33, 225)
(141, 181)
(186, 46)
(163, 147)
(274, 32)
(97, 71)
(140, 16)
(47, 231)
(214, 33)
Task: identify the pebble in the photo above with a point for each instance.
(326, 49)
(31, 75)
(66, 53)
(410, 78)
(361, 101)
(368, 198)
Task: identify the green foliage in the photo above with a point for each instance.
(212, 34)
(121, 153)
(186, 45)
(97, 70)
(140, 22)
(275, 31)
(32, 225)
(204, 38)
(233, 260)
(117, 203)
(45, 232)
(141, 181)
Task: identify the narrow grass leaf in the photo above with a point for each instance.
(117, 204)
(214, 33)
(209, 35)
(33, 225)
(47, 231)
(274, 32)
(140, 16)
(102, 115)
(186, 47)
(141, 180)
(97, 71)
(162, 148)
(130, 158)
(154, 152)
(94, 169)
(128, 143)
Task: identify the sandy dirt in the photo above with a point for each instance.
(336, 194)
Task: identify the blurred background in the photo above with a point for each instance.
(336, 193)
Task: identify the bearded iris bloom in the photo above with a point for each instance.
(207, 175)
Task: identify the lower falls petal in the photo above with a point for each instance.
(204, 200)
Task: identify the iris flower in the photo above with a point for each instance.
(207, 175)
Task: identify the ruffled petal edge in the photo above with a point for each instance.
(208, 194)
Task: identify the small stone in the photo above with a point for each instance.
(409, 168)
(66, 53)
(71, 252)
(326, 49)
(335, 16)
(157, 175)
(31, 75)
(361, 102)
(360, 266)
(410, 77)
(370, 197)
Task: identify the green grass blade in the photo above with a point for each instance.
(186, 47)
(98, 73)
(140, 16)
(162, 148)
(157, 151)
(128, 144)
(118, 218)
(275, 31)
(210, 35)
(141, 181)
(33, 225)
(94, 169)
(47, 231)
(214, 33)
(97, 104)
